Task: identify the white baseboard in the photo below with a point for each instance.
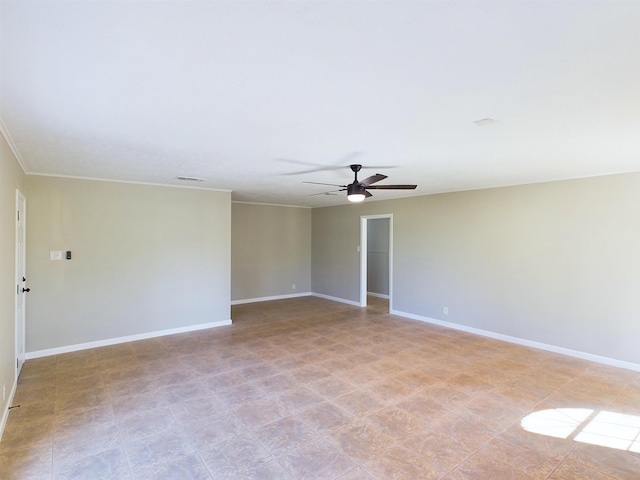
(295, 295)
(521, 341)
(267, 299)
(5, 413)
(379, 295)
(129, 338)
(336, 299)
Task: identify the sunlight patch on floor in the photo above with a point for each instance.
(606, 429)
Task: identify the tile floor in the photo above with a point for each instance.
(308, 388)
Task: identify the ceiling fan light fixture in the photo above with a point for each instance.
(355, 193)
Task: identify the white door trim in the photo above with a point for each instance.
(363, 257)
(20, 272)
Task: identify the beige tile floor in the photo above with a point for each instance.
(308, 388)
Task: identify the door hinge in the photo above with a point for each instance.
(18, 215)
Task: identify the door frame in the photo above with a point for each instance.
(363, 257)
(21, 264)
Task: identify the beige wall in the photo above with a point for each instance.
(11, 178)
(144, 259)
(556, 263)
(271, 251)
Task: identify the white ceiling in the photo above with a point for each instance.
(245, 94)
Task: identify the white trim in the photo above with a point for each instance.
(73, 177)
(129, 338)
(12, 146)
(5, 414)
(268, 299)
(379, 295)
(521, 341)
(270, 204)
(336, 299)
(364, 239)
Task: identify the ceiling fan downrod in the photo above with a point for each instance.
(355, 168)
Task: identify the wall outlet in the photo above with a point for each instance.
(445, 310)
(55, 255)
(293, 286)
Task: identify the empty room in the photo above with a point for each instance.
(308, 239)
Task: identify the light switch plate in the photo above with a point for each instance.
(55, 255)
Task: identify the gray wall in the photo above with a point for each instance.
(556, 263)
(271, 250)
(11, 178)
(335, 257)
(378, 256)
(144, 259)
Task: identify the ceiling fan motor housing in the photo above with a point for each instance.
(355, 189)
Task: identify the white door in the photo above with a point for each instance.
(21, 280)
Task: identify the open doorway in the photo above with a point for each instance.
(376, 261)
(21, 288)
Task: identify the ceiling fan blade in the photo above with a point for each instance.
(297, 162)
(372, 179)
(318, 167)
(331, 169)
(330, 184)
(313, 170)
(330, 192)
(393, 187)
(367, 194)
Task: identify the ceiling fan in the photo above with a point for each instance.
(318, 167)
(359, 190)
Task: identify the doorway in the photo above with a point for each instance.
(21, 287)
(376, 259)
